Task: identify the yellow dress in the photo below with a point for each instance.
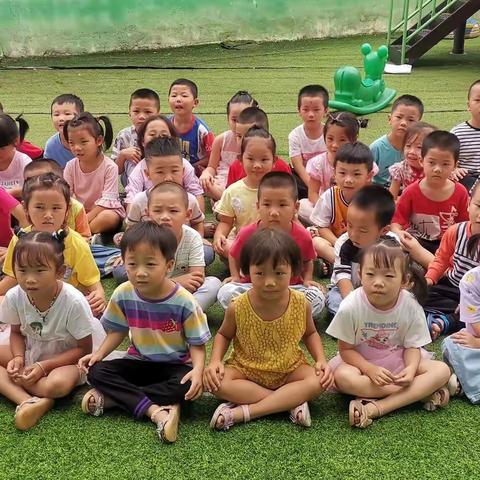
(266, 352)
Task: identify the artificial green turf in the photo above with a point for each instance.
(410, 443)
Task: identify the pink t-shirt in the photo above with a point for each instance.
(12, 176)
(298, 233)
(139, 182)
(319, 169)
(7, 204)
(99, 187)
(427, 219)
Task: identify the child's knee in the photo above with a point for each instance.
(343, 379)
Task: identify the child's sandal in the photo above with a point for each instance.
(224, 410)
(29, 412)
(454, 386)
(301, 415)
(167, 430)
(437, 399)
(96, 407)
(360, 406)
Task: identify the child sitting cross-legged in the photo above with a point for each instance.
(381, 330)
(267, 371)
(168, 332)
(168, 206)
(353, 166)
(277, 205)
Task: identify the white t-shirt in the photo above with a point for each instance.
(189, 252)
(68, 320)
(359, 322)
(300, 144)
(12, 176)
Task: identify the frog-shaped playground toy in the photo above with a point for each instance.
(363, 96)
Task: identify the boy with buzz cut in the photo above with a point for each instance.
(368, 219)
(353, 167)
(168, 332)
(388, 149)
(125, 151)
(277, 206)
(249, 117)
(429, 206)
(63, 108)
(195, 136)
(468, 133)
(306, 141)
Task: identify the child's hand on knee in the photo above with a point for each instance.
(380, 376)
(88, 361)
(15, 367)
(406, 376)
(213, 376)
(325, 374)
(195, 376)
(32, 374)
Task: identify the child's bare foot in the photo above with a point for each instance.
(228, 414)
(362, 411)
(29, 412)
(166, 418)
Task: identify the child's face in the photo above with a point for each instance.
(438, 165)
(402, 117)
(240, 130)
(165, 169)
(35, 279)
(147, 269)
(351, 177)
(6, 154)
(277, 208)
(61, 113)
(269, 283)
(413, 151)
(474, 210)
(362, 227)
(181, 100)
(334, 139)
(257, 159)
(382, 285)
(312, 110)
(47, 210)
(474, 103)
(168, 209)
(234, 112)
(83, 144)
(156, 129)
(140, 109)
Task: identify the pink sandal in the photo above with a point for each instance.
(302, 411)
(360, 406)
(225, 410)
(437, 399)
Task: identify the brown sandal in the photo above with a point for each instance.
(167, 429)
(29, 412)
(360, 406)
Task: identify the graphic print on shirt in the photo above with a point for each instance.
(432, 227)
(185, 147)
(377, 335)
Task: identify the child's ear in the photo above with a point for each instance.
(196, 103)
(25, 209)
(297, 206)
(389, 118)
(61, 272)
(170, 265)
(99, 141)
(146, 173)
(189, 213)
(370, 176)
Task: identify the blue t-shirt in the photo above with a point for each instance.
(385, 155)
(55, 150)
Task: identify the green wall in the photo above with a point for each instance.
(43, 27)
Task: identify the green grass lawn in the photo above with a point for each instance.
(410, 443)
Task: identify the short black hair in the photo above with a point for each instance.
(313, 91)
(169, 187)
(146, 94)
(409, 101)
(43, 162)
(377, 199)
(267, 243)
(442, 140)
(192, 86)
(474, 84)
(162, 147)
(279, 180)
(69, 98)
(253, 115)
(156, 236)
(355, 153)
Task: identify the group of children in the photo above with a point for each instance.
(397, 225)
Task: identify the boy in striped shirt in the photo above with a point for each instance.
(168, 332)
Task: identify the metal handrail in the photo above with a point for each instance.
(420, 10)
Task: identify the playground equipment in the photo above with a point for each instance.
(424, 23)
(363, 96)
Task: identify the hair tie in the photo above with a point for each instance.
(19, 232)
(59, 235)
(363, 122)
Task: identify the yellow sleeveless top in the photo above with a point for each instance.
(267, 351)
(339, 212)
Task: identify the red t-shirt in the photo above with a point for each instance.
(299, 234)
(236, 171)
(7, 204)
(29, 149)
(427, 219)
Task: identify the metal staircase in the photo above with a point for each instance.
(423, 24)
